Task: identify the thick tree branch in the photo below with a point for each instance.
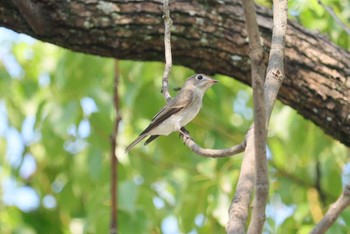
(207, 36)
(36, 18)
(334, 211)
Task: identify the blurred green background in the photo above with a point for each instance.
(57, 116)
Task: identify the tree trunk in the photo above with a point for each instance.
(207, 36)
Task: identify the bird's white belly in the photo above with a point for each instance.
(175, 122)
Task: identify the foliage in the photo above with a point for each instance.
(314, 16)
(56, 119)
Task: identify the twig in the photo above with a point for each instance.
(114, 159)
(333, 213)
(317, 185)
(335, 17)
(167, 46)
(256, 54)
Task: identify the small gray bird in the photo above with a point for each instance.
(177, 112)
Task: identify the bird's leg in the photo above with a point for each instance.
(185, 133)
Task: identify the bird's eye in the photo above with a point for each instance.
(199, 77)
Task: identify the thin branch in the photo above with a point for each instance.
(254, 161)
(167, 46)
(274, 79)
(334, 211)
(213, 153)
(239, 208)
(256, 54)
(238, 211)
(335, 17)
(275, 68)
(114, 159)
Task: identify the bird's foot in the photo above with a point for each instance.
(184, 131)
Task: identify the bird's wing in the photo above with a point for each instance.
(181, 101)
(150, 139)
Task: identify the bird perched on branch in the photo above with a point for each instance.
(177, 112)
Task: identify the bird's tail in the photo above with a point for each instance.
(137, 140)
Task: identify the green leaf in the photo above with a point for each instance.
(128, 192)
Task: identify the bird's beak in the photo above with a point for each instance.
(213, 81)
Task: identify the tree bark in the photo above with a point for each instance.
(207, 36)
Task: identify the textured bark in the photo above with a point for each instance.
(208, 36)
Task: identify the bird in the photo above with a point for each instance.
(179, 111)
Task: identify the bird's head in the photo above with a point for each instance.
(200, 81)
